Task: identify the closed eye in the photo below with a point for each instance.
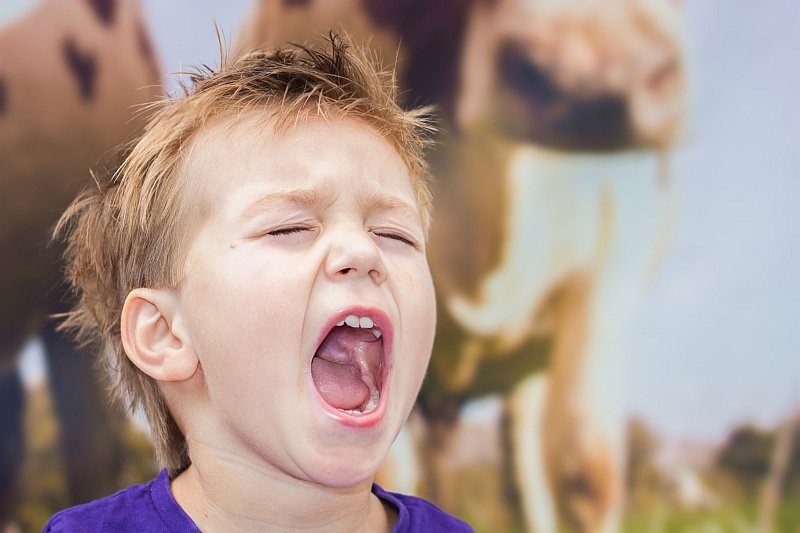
(397, 237)
(288, 231)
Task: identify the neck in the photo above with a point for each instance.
(220, 492)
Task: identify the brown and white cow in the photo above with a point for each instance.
(552, 210)
(71, 75)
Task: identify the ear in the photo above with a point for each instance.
(154, 336)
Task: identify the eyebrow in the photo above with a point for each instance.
(320, 197)
(300, 198)
(385, 202)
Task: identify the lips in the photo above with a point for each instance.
(350, 366)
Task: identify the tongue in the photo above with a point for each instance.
(347, 366)
(339, 385)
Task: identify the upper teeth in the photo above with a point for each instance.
(361, 322)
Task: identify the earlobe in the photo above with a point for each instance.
(154, 337)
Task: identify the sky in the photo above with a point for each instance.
(717, 341)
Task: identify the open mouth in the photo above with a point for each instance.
(347, 368)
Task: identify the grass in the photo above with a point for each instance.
(729, 518)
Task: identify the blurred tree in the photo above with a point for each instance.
(748, 456)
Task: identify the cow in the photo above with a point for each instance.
(553, 210)
(72, 73)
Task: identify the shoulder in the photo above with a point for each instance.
(146, 508)
(416, 514)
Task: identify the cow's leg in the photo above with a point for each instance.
(90, 430)
(12, 439)
(525, 408)
(12, 410)
(585, 468)
(400, 470)
(584, 415)
(581, 417)
(440, 421)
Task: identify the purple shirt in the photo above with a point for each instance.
(151, 508)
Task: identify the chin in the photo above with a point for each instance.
(348, 468)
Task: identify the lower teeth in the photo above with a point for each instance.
(374, 396)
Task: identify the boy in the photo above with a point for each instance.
(255, 273)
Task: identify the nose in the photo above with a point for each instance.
(353, 253)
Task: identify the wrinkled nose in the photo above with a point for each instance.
(354, 253)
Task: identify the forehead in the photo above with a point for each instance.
(248, 154)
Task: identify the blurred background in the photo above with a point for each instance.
(615, 248)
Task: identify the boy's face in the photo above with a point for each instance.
(297, 232)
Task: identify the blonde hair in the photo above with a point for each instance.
(125, 231)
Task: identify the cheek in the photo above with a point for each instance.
(245, 290)
(422, 307)
(245, 325)
(428, 307)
